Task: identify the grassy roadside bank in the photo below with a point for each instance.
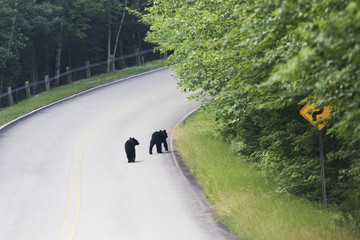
(246, 200)
(10, 113)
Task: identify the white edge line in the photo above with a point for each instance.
(195, 187)
(197, 191)
(79, 93)
(172, 142)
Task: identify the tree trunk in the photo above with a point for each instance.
(123, 63)
(142, 59)
(34, 71)
(9, 49)
(70, 77)
(118, 33)
(12, 33)
(58, 61)
(35, 67)
(108, 48)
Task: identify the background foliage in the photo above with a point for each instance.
(261, 61)
(43, 37)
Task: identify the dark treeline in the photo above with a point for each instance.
(39, 38)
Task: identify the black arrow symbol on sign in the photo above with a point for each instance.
(315, 113)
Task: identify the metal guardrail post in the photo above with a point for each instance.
(27, 89)
(47, 84)
(11, 100)
(112, 65)
(68, 74)
(88, 70)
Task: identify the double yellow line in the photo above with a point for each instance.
(75, 168)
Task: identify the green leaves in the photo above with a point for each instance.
(263, 60)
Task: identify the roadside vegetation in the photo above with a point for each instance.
(10, 113)
(245, 198)
(260, 62)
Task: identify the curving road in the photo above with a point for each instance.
(64, 172)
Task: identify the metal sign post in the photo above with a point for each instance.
(318, 118)
(323, 181)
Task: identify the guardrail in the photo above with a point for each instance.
(68, 73)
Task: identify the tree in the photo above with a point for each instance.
(11, 41)
(43, 37)
(261, 61)
(43, 18)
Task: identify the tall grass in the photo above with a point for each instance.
(9, 113)
(244, 198)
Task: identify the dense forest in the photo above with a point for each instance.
(261, 62)
(40, 37)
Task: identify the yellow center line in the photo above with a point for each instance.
(78, 180)
(69, 185)
(83, 139)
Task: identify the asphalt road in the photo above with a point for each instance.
(64, 172)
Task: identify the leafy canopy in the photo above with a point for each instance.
(261, 61)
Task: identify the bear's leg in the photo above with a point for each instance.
(165, 145)
(128, 155)
(134, 156)
(158, 147)
(151, 146)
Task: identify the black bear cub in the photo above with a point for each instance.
(130, 149)
(158, 138)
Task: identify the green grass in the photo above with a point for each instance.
(246, 200)
(10, 113)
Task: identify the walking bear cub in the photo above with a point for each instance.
(158, 138)
(130, 149)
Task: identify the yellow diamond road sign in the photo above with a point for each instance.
(317, 117)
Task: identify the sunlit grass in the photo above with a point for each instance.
(10, 113)
(246, 200)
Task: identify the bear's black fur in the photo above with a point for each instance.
(158, 138)
(130, 149)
